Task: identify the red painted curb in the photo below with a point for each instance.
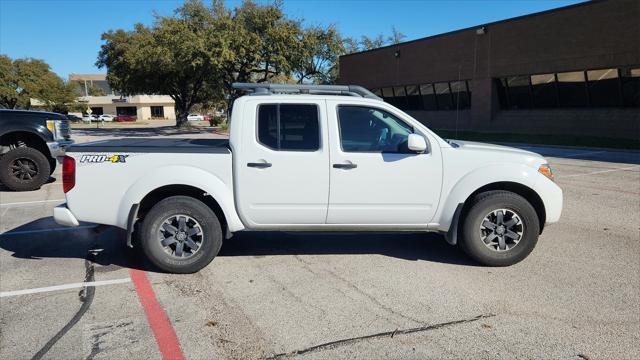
(163, 331)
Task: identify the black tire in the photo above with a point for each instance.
(210, 240)
(471, 239)
(35, 169)
(52, 166)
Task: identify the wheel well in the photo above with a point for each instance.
(164, 192)
(23, 138)
(529, 194)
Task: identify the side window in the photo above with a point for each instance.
(366, 129)
(289, 127)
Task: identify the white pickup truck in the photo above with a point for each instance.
(310, 158)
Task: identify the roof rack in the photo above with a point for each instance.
(267, 88)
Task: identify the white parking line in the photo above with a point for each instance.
(31, 202)
(63, 287)
(601, 171)
(45, 230)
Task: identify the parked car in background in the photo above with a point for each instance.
(195, 117)
(30, 142)
(124, 118)
(106, 117)
(310, 163)
(88, 118)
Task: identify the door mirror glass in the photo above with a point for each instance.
(417, 143)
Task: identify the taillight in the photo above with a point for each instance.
(68, 173)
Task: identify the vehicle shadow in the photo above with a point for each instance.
(50, 180)
(401, 245)
(42, 239)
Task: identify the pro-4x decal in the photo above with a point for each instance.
(114, 158)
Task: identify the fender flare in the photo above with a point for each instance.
(454, 199)
(180, 175)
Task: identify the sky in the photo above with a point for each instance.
(66, 34)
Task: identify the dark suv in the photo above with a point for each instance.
(30, 142)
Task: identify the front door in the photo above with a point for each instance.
(283, 165)
(375, 178)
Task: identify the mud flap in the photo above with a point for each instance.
(452, 235)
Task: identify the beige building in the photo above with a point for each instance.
(144, 107)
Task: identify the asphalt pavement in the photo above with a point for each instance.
(327, 296)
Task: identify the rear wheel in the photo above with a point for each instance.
(24, 168)
(500, 228)
(181, 235)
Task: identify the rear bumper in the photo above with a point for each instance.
(63, 216)
(58, 148)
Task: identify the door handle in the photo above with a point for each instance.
(346, 166)
(260, 165)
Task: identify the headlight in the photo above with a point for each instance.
(51, 125)
(545, 170)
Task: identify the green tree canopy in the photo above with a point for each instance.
(24, 79)
(196, 54)
(179, 56)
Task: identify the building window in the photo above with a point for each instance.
(428, 97)
(604, 88)
(543, 89)
(518, 92)
(461, 97)
(399, 97)
(157, 111)
(126, 111)
(594, 88)
(97, 110)
(387, 94)
(571, 89)
(443, 96)
(414, 100)
(631, 86)
(289, 127)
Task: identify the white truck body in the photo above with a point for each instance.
(304, 190)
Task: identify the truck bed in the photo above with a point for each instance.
(154, 145)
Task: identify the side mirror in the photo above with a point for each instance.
(417, 143)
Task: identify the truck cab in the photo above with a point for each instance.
(312, 158)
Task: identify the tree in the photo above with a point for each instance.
(318, 54)
(22, 80)
(180, 56)
(368, 43)
(396, 36)
(263, 43)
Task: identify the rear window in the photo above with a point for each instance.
(289, 127)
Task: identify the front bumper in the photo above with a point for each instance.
(58, 148)
(63, 216)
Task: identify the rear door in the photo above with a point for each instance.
(283, 164)
(375, 178)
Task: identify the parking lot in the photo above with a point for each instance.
(369, 296)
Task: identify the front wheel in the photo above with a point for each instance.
(24, 168)
(181, 235)
(500, 228)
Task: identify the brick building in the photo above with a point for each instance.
(571, 71)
